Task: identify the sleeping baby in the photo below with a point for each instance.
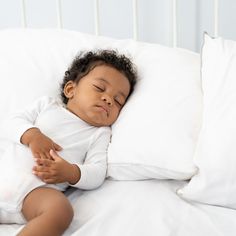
(68, 139)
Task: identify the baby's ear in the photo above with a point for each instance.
(69, 89)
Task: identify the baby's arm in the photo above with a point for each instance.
(20, 128)
(93, 170)
(88, 175)
(39, 143)
(56, 170)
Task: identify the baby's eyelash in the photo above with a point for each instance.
(98, 88)
(118, 103)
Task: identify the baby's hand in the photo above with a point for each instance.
(56, 170)
(39, 143)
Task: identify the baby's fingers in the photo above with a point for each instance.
(45, 175)
(57, 147)
(36, 155)
(48, 156)
(43, 162)
(40, 169)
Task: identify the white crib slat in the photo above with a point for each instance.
(96, 17)
(174, 23)
(216, 18)
(23, 14)
(59, 15)
(135, 20)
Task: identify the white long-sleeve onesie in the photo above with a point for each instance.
(82, 144)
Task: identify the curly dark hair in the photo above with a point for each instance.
(86, 61)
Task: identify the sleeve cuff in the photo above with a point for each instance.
(88, 180)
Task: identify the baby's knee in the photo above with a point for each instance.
(63, 213)
(53, 205)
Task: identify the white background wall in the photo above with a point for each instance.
(154, 18)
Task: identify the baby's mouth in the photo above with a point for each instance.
(104, 109)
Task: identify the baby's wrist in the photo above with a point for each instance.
(74, 174)
(28, 135)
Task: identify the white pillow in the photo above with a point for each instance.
(216, 151)
(156, 133)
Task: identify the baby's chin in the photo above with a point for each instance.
(94, 121)
(97, 124)
(97, 119)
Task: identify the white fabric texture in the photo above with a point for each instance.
(7, 217)
(216, 152)
(83, 145)
(138, 208)
(156, 133)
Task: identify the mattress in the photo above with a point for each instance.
(138, 208)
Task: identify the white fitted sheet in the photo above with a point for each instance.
(138, 208)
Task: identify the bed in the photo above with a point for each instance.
(171, 160)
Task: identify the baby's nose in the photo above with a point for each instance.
(107, 99)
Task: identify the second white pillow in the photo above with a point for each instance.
(216, 151)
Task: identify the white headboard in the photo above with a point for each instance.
(176, 23)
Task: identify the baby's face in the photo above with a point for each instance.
(99, 96)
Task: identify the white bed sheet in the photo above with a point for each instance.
(138, 208)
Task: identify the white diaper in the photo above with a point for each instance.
(11, 218)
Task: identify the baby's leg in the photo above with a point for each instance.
(47, 211)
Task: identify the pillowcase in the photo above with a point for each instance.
(156, 133)
(216, 151)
